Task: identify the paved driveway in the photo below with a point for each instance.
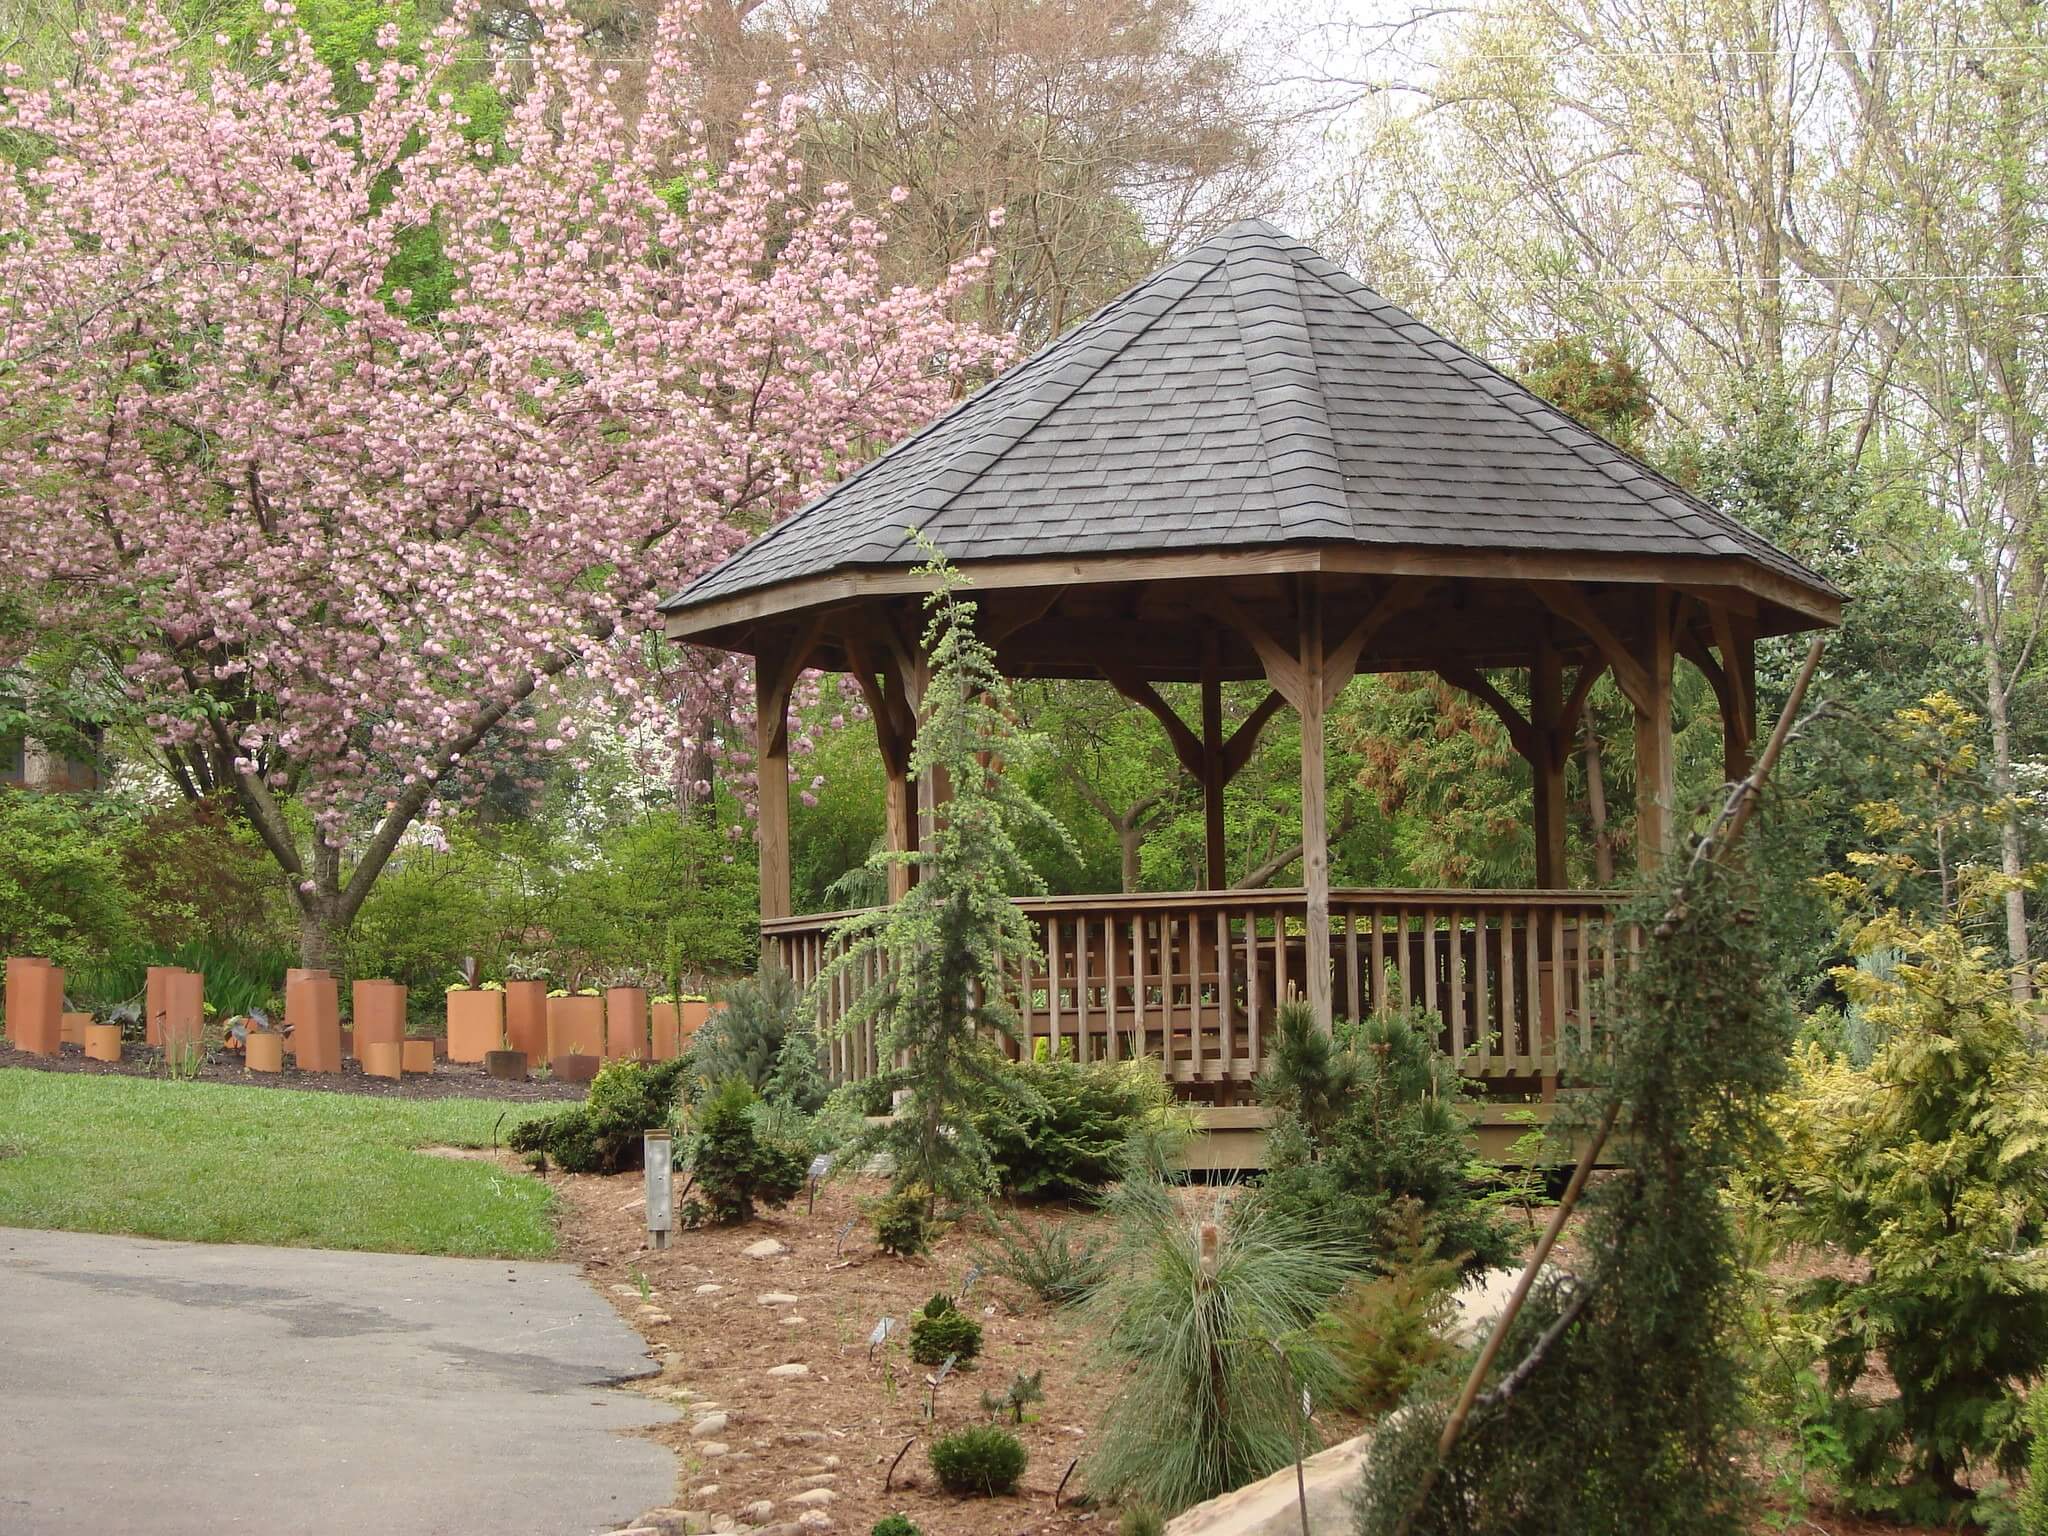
(174, 1388)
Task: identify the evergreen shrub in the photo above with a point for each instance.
(979, 1461)
(735, 1164)
(603, 1134)
(941, 1332)
(1060, 1137)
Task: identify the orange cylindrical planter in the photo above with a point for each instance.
(526, 1018)
(379, 1014)
(292, 976)
(263, 1051)
(476, 1023)
(625, 1023)
(71, 1027)
(15, 965)
(312, 1011)
(35, 1005)
(667, 1020)
(153, 983)
(181, 1026)
(416, 1056)
(575, 1026)
(103, 1042)
(696, 1013)
(384, 1058)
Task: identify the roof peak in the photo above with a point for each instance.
(1250, 393)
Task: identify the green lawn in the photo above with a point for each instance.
(216, 1163)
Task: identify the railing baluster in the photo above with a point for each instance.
(1351, 992)
(1225, 1003)
(1482, 1012)
(1454, 963)
(1379, 965)
(1109, 983)
(1429, 960)
(1139, 1029)
(1251, 985)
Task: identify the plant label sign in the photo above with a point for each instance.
(660, 1185)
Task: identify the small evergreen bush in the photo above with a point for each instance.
(603, 1134)
(745, 1036)
(901, 1226)
(943, 1331)
(1061, 1137)
(735, 1165)
(1045, 1257)
(983, 1460)
(1387, 1330)
(1368, 1126)
(895, 1525)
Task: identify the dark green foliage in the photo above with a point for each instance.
(603, 1134)
(894, 1525)
(1629, 1421)
(901, 1225)
(1387, 1330)
(797, 1080)
(983, 1460)
(744, 1036)
(1311, 1076)
(734, 1163)
(1045, 1257)
(1395, 1137)
(947, 950)
(2033, 1499)
(941, 1332)
(61, 893)
(1209, 1326)
(1059, 1139)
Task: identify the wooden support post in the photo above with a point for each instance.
(1656, 787)
(1315, 822)
(1214, 773)
(887, 689)
(775, 674)
(1549, 742)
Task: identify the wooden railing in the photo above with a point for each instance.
(1191, 980)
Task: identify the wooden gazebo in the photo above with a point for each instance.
(1252, 467)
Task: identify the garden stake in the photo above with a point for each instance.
(1063, 1484)
(897, 1462)
(1719, 838)
(1300, 1430)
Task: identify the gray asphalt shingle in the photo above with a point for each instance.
(1248, 395)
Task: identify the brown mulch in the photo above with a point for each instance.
(850, 1416)
(448, 1080)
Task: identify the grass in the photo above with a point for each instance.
(215, 1163)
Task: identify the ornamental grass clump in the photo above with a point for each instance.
(1210, 1324)
(981, 1461)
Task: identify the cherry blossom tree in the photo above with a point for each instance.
(343, 542)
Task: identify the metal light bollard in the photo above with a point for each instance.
(658, 1161)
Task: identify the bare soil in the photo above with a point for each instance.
(841, 1425)
(448, 1080)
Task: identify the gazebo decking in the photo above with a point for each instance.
(1253, 468)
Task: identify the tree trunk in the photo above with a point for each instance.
(2011, 857)
(1596, 809)
(1130, 840)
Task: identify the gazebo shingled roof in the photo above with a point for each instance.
(1250, 396)
(1251, 465)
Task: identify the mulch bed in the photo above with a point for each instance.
(448, 1080)
(841, 1425)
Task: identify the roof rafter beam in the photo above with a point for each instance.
(1187, 746)
(1342, 662)
(1520, 732)
(1568, 601)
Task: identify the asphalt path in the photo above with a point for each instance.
(175, 1389)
